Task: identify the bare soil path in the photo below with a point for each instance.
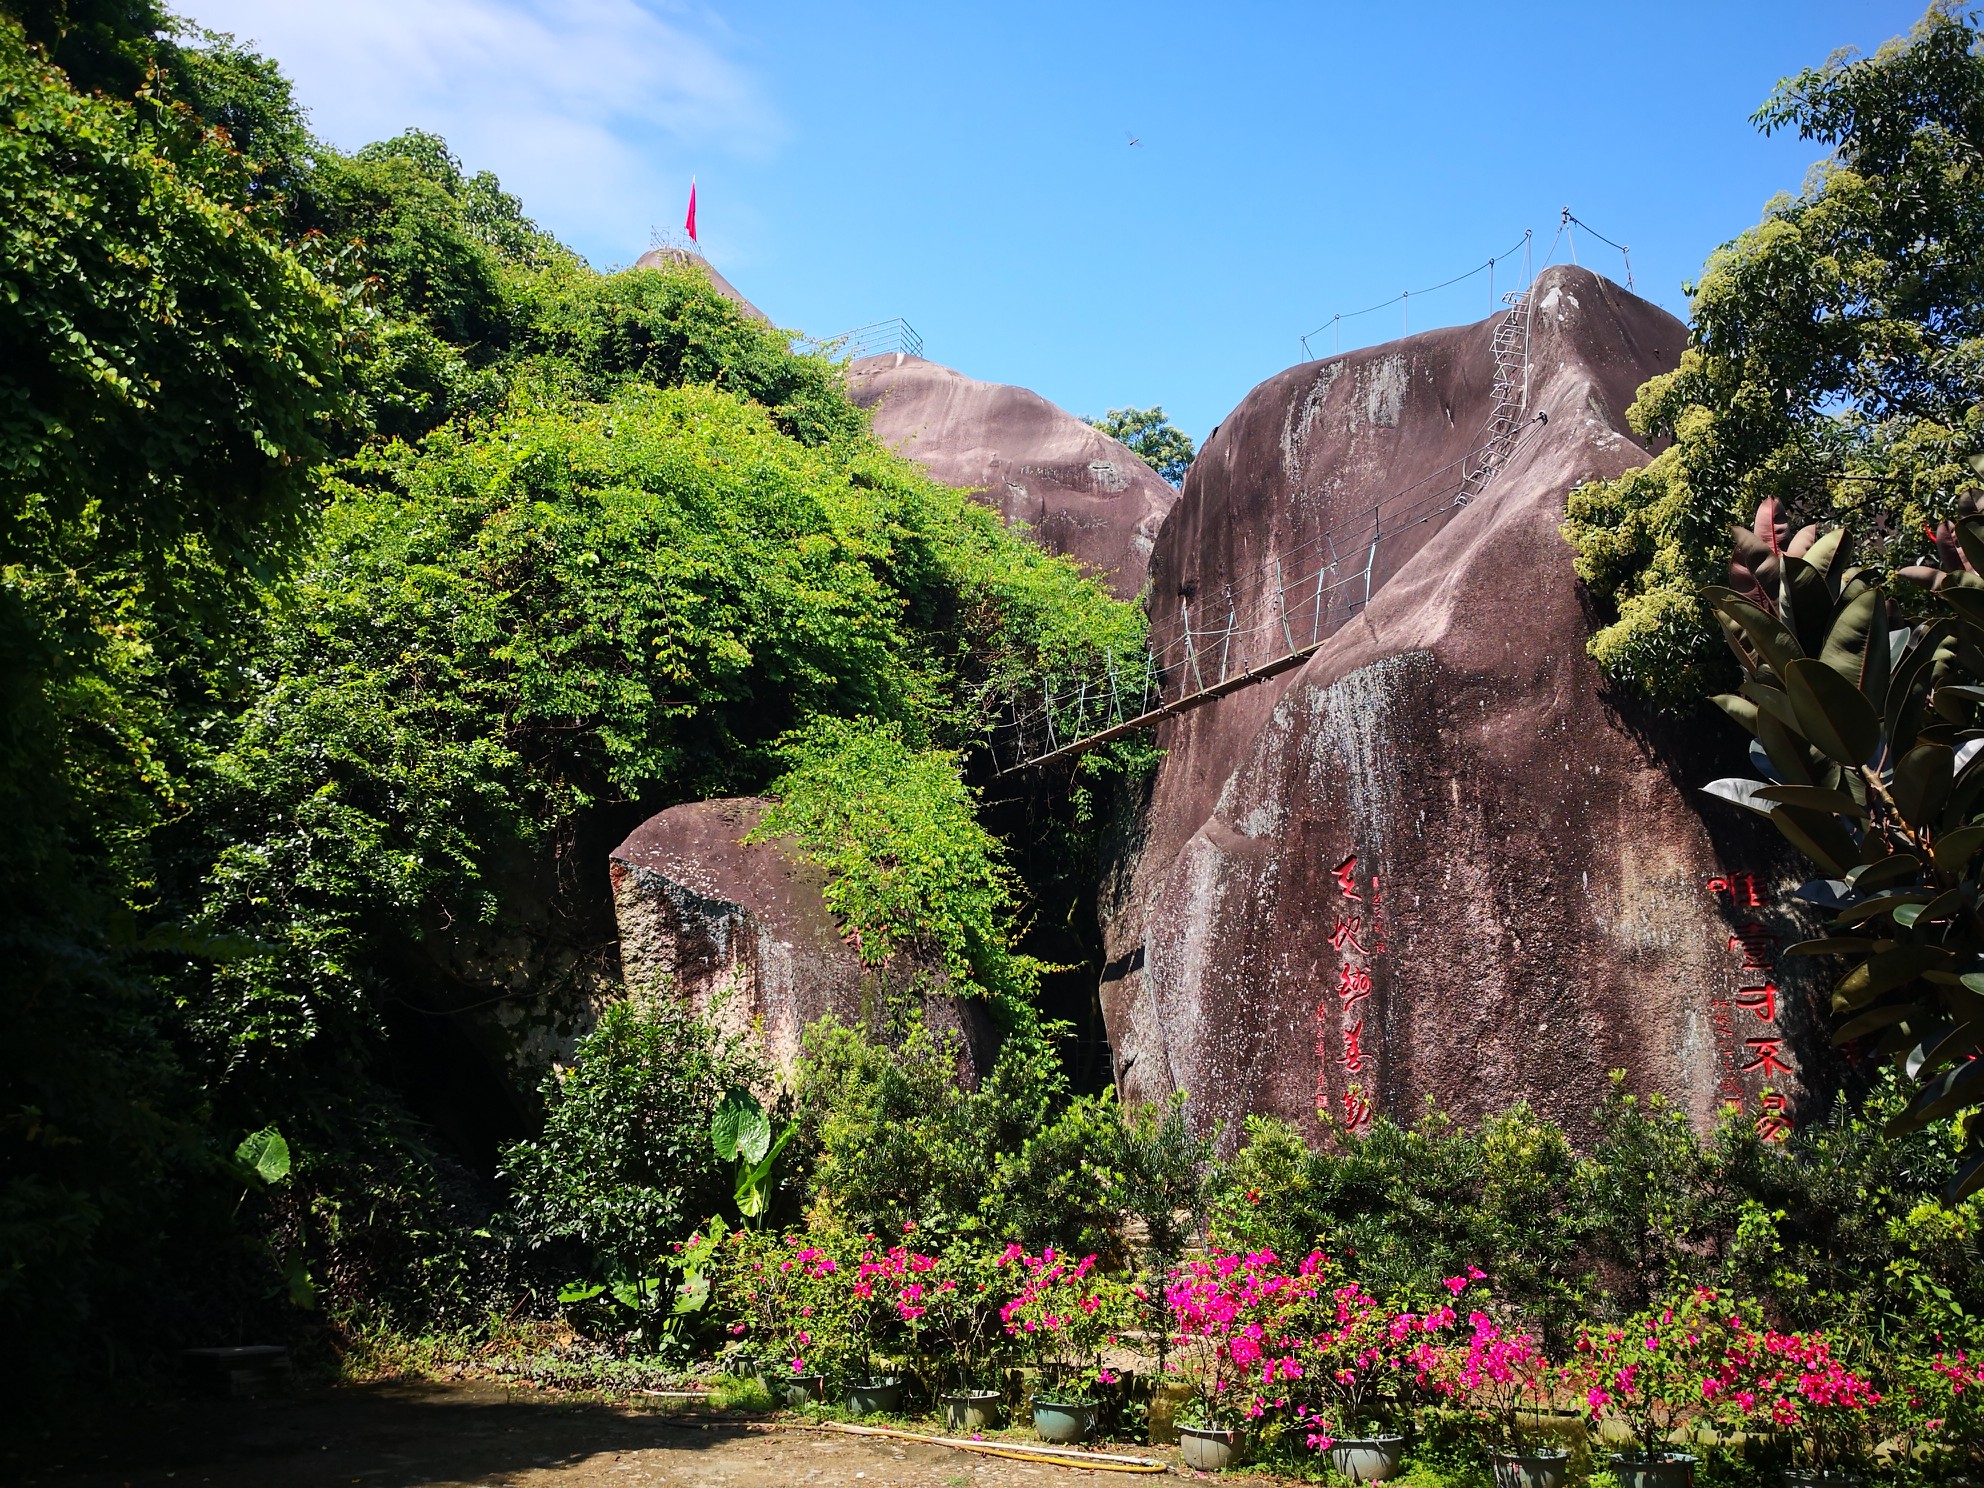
(475, 1435)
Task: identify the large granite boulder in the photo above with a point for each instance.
(1438, 860)
(743, 930)
(1081, 492)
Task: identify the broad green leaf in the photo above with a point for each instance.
(1741, 792)
(1922, 781)
(1880, 974)
(1770, 637)
(1872, 1021)
(1833, 713)
(1857, 645)
(1885, 873)
(1954, 850)
(1804, 603)
(740, 1131)
(1818, 835)
(1832, 945)
(265, 1154)
(1813, 798)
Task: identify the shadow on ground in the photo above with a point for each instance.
(478, 1436)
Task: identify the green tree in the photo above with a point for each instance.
(173, 377)
(1835, 360)
(625, 1168)
(1152, 437)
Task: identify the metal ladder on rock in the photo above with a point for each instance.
(1510, 350)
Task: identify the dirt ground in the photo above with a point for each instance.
(480, 1436)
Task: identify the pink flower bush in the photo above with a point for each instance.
(1229, 1314)
(1061, 1312)
(1360, 1364)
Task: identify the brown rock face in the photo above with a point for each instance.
(744, 930)
(1436, 860)
(664, 258)
(1083, 493)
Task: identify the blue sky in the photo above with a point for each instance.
(968, 167)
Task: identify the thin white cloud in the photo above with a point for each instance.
(595, 112)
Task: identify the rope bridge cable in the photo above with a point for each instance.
(1564, 225)
(1303, 594)
(1404, 297)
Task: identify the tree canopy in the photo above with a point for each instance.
(1154, 439)
(1835, 361)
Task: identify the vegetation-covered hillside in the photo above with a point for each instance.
(370, 564)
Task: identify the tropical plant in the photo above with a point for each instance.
(1497, 1374)
(741, 1133)
(1865, 733)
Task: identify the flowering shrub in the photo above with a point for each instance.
(1494, 1374)
(1361, 1365)
(965, 1334)
(1230, 1316)
(1790, 1382)
(888, 1297)
(785, 1297)
(1673, 1363)
(1061, 1313)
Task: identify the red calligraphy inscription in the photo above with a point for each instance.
(1764, 1057)
(1353, 1048)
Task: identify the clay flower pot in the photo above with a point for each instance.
(881, 1396)
(1211, 1449)
(1367, 1459)
(1063, 1420)
(1539, 1467)
(1662, 1470)
(971, 1410)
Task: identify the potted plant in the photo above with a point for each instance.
(1653, 1373)
(1791, 1384)
(887, 1301)
(1228, 1315)
(964, 1333)
(1497, 1375)
(1357, 1363)
(1061, 1313)
(782, 1293)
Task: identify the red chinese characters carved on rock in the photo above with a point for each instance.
(1358, 939)
(1760, 1055)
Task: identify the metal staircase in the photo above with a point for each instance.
(1511, 352)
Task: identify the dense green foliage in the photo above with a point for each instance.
(370, 563)
(625, 1168)
(1835, 360)
(1152, 437)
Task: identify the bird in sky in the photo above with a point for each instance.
(1135, 143)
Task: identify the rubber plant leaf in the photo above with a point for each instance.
(1923, 778)
(1832, 945)
(1872, 1021)
(1954, 850)
(1804, 602)
(1777, 645)
(1857, 645)
(1833, 713)
(1741, 792)
(1885, 873)
(1819, 835)
(1881, 974)
(1812, 798)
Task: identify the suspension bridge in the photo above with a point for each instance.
(1303, 596)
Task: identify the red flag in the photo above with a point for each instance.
(690, 221)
